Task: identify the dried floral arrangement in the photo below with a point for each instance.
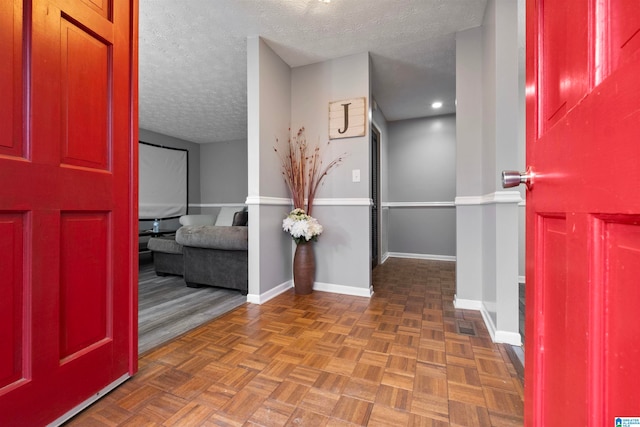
(304, 170)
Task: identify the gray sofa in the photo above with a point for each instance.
(206, 254)
(167, 255)
(215, 256)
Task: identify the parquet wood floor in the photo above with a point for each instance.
(395, 359)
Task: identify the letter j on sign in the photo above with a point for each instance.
(347, 118)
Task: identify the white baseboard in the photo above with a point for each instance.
(497, 336)
(341, 289)
(491, 327)
(421, 256)
(505, 337)
(385, 257)
(467, 304)
(317, 286)
(270, 294)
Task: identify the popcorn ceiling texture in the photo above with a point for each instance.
(193, 55)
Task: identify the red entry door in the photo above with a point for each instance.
(583, 212)
(68, 324)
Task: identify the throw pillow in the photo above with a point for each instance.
(241, 218)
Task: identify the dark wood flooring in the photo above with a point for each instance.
(404, 357)
(167, 308)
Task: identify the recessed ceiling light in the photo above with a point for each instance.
(436, 105)
(325, 1)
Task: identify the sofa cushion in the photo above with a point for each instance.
(228, 238)
(225, 216)
(198, 219)
(166, 244)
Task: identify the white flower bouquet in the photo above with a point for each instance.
(301, 226)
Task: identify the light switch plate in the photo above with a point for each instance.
(355, 175)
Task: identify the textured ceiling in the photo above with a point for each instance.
(193, 55)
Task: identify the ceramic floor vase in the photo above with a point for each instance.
(304, 268)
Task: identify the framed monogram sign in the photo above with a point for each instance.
(348, 118)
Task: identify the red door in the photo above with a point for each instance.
(68, 325)
(583, 212)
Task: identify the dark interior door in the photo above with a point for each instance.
(375, 196)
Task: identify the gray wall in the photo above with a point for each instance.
(489, 123)
(269, 110)
(521, 133)
(422, 187)
(312, 88)
(223, 174)
(469, 156)
(501, 105)
(427, 233)
(469, 162)
(343, 250)
(194, 170)
(278, 99)
(422, 159)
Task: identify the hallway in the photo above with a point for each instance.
(403, 357)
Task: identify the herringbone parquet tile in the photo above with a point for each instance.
(396, 359)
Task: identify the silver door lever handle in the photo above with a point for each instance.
(515, 178)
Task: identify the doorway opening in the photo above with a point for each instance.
(375, 196)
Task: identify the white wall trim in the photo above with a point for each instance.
(385, 256)
(84, 405)
(466, 304)
(421, 256)
(418, 204)
(343, 202)
(215, 205)
(341, 289)
(521, 279)
(270, 294)
(263, 200)
(498, 336)
(489, 199)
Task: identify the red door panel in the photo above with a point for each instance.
(583, 213)
(85, 285)
(85, 98)
(622, 328)
(100, 6)
(11, 298)
(625, 34)
(67, 200)
(565, 24)
(11, 78)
